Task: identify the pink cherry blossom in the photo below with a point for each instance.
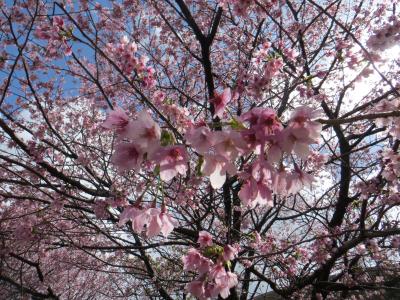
(145, 132)
(228, 281)
(217, 273)
(137, 216)
(216, 167)
(58, 22)
(172, 161)
(255, 192)
(291, 53)
(117, 120)
(385, 37)
(196, 288)
(219, 102)
(296, 140)
(279, 182)
(224, 281)
(211, 290)
(263, 124)
(159, 222)
(255, 188)
(230, 252)
(201, 138)
(297, 179)
(303, 117)
(275, 150)
(229, 144)
(301, 132)
(127, 156)
(205, 239)
(194, 261)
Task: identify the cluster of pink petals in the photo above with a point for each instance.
(219, 102)
(139, 140)
(261, 79)
(56, 36)
(321, 248)
(265, 136)
(290, 53)
(266, 132)
(268, 245)
(205, 239)
(391, 168)
(177, 114)
(213, 278)
(301, 132)
(125, 54)
(264, 244)
(172, 161)
(261, 54)
(392, 123)
(385, 37)
(219, 150)
(153, 220)
(258, 131)
(263, 126)
(255, 188)
(241, 7)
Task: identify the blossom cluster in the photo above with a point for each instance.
(140, 140)
(258, 131)
(153, 219)
(242, 7)
(392, 123)
(385, 37)
(57, 35)
(176, 114)
(321, 248)
(267, 64)
(391, 168)
(127, 58)
(270, 247)
(212, 264)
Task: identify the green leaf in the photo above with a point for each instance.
(199, 165)
(167, 138)
(157, 170)
(236, 124)
(228, 264)
(213, 251)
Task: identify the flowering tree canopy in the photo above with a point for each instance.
(180, 149)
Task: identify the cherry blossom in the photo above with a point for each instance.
(218, 149)
(219, 102)
(205, 239)
(145, 132)
(172, 161)
(127, 156)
